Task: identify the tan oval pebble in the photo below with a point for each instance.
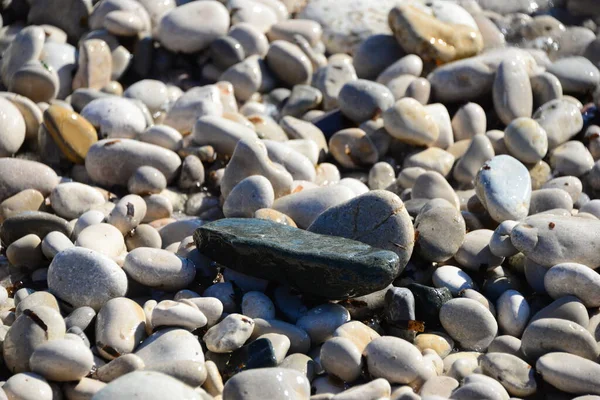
(393, 359)
(25, 252)
(431, 159)
(229, 334)
(35, 81)
(274, 215)
(72, 133)
(163, 136)
(514, 374)
(103, 238)
(26, 200)
(358, 333)
(158, 207)
(410, 122)
(95, 65)
(440, 343)
(62, 360)
(128, 213)
(289, 63)
(123, 23)
(173, 313)
(549, 335)
(25, 335)
(144, 235)
(27, 386)
(341, 358)
(169, 271)
(352, 148)
(569, 373)
(526, 140)
(250, 158)
(120, 326)
(71, 199)
(84, 389)
(119, 366)
(479, 151)
(128, 155)
(146, 180)
(469, 120)
(12, 132)
(267, 383)
(469, 323)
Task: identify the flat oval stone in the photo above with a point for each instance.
(112, 161)
(12, 133)
(179, 32)
(169, 271)
(71, 199)
(393, 359)
(32, 222)
(364, 268)
(513, 312)
(503, 186)
(82, 277)
(439, 230)
(569, 373)
(469, 323)
(549, 335)
(230, 334)
(377, 218)
(576, 74)
(115, 117)
(148, 385)
(289, 63)
(72, 133)
(361, 100)
(320, 322)
(553, 239)
(17, 175)
(516, 375)
(526, 140)
(306, 205)
(409, 121)
(267, 383)
(62, 360)
(560, 119)
(170, 344)
(453, 278)
(512, 93)
(574, 279)
(27, 385)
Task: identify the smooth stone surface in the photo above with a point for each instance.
(62, 360)
(71, 199)
(289, 63)
(17, 175)
(503, 186)
(576, 74)
(120, 327)
(363, 268)
(569, 373)
(220, 133)
(361, 100)
(267, 383)
(552, 239)
(73, 134)
(230, 334)
(574, 279)
(149, 385)
(12, 134)
(169, 271)
(512, 93)
(549, 335)
(409, 121)
(475, 254)
(526, 140)
(248, 196)
(32, 222)
(560, 119)
(513, 312)
(340, 357)
(112, 161)
(469, 323)
(305, 206)
(453, 278)
(100, 280)
(393, 359)
(178, 31)
(355, 219)
(26, 200)
(320, 322)
(27, 386)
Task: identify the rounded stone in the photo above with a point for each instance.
(168, 271)
(179, 32)
(321, 322)
(469, 323)
(148, 385)
(574, 279)
(340, 357)
(83, 277)
(513, 312)
(394, 359)
(146, 180)
(289, 63)
(27, 386)
(409, 121)
(171, 344)
(62, 360)
(268, 383)
(12, 133)
(71, 199)
(439, 230)
(114, 117)
(526, 140)
(569, 373)
(453, 278)
(17, 175)
(361, 100)
(72, 133)
(230, 334)
(249, 195)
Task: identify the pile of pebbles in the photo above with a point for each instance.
(300, 199)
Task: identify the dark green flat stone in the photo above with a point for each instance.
(37, 222)
(428, 302)
(324, 266)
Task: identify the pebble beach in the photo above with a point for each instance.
(299, 199)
